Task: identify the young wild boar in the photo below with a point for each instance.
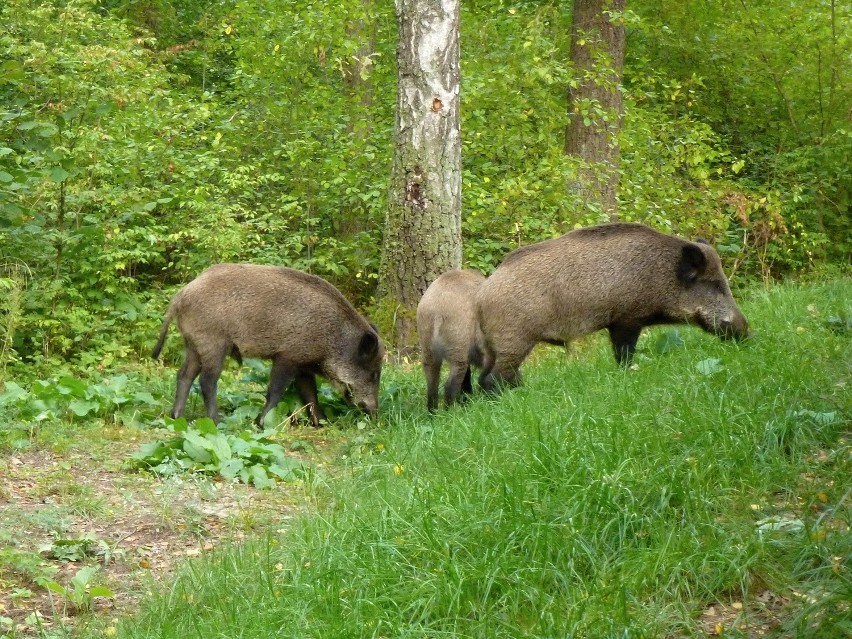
(621, 277)
(299, 321)
(447, 328)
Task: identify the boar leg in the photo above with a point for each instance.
(459, 372)
(487, 367)
(505, 372)
(280, 377)
(306, 384)
(467, 385)
(209, 380)
(186, 375)
(624, 340)
(432, 371)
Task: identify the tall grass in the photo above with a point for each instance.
(590, 502)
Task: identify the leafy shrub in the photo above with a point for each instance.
(252, 458)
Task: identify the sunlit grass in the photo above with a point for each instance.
(589, 502)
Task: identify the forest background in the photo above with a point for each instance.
(141, 141)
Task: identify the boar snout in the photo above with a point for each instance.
(733, 328)
(368, 404)
(370, 407)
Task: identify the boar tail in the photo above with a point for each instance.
(164, 329)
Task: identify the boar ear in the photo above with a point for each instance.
(368, 346)
(692, 264)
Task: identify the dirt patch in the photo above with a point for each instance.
(61, 511)
(757, 617)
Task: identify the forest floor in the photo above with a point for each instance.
(82, 506)
(734, 487)
(68, 505)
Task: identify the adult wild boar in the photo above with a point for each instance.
(621, 277)
(447, 329)
(299, 321)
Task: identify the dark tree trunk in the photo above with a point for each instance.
(595, 104)
(423, 227)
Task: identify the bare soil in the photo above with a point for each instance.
(141, 526)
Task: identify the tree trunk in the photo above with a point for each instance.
(423, 226)
(595, 104)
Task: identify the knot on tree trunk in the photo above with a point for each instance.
(414, 191)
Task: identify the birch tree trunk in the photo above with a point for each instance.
(595, 104)
(422, 236)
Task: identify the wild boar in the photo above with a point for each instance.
(621, 277)
(299, 321)
(448, 330)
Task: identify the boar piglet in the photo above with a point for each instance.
(448, 331)
(621, 277)
(299, 321)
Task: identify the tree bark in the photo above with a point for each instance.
(595, 103)
(422, 237)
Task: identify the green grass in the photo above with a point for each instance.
(590, 502)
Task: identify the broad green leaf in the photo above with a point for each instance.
(195, 446)
(81, 407)
(101, 591)
(47, 129)
(71, 386)
(12, 392)
(219, 446)
(259, 477)
(179, 425)
(230, 468)
(153, 453)
(144, 397)
(205, 426)
(55, 587)
(84, 576)
(167, 469)
(668, 341)
(709, 366)
(240, 447)
(58, 174)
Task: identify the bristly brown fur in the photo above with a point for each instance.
(298, 320)
(448, 331)
(621, 277)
